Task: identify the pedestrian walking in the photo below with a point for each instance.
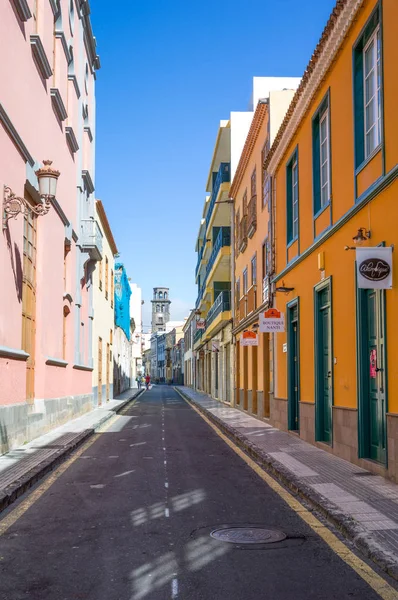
(147, 381)
(138, 380)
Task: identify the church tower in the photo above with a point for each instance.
(160, 309)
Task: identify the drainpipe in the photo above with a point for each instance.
(233, 297)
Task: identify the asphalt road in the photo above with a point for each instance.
(131, 518)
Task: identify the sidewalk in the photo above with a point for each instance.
(363, 506)
(22, 467)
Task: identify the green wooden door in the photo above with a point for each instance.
(293, 369)
(375, 388)
(323, 366)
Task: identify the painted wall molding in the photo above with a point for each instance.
(14, 135)
(56, 362)
(14, 353)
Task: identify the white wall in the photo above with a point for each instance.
(263, 86)
(279, 102)
(240, 125)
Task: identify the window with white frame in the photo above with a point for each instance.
(245, 281)
(324, 157)
(295, 216)
(372, 92)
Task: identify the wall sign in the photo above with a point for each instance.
(272, 321)
(200, 324)
(249, 338)
(284, 347)
(374, 268)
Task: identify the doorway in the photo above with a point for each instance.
(254, 350)
(227, 373)
(245, 376)
(29, 299)
(293, 361)
(99, 371)
(372, 394)
(108, 360)
(323, 362)
(216, 354)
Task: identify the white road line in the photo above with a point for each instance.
(174, 588)
(166, 512)
(165, 462)
(166, 484)
(164, 448)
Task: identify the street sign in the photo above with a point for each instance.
(249, 338)
(272, 321)
(374, 268)
(200, 324)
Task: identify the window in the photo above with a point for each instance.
(367, 90)
(106, 277)
(321, 156)
(112, 289)
(158, 308)
(111, 336)
(244, 204)
(100, 274)
(253, 185)
(292, 198)
(245, 282)
(264, 258)
(160, 295)
(237, 291)
(254, 269)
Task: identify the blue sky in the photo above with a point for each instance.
(170, 70)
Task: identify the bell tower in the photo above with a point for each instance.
(160, 309)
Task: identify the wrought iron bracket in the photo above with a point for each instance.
(14, 205)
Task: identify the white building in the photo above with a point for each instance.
(189, 330)
(137, 336)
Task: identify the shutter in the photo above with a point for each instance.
(316, 164)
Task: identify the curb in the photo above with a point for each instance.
(19, 486)
(350, 528)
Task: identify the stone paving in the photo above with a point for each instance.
(370, 501)
(19, 462)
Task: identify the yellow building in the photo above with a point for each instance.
(334, 167)
(103, 314)
(251, 193)
(212, 344)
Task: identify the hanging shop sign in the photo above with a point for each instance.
(215, 345)
(272, 321)
(201, 324)
(249, 338)
(374, 268)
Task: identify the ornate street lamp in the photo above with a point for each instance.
(14, 205)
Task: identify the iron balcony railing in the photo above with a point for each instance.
(221, 304)
(91, 238)
(223, 175)
(223, 239)
(252, 216)
(200, 256)
(197, 335)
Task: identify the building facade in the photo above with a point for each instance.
(189, 331)
(104, 312)
(334, 167)
(47, 260)
(122, 345)
(137, 341)
(251, 193)
(160, 309)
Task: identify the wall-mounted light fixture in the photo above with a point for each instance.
(14, 205)
(361, 236)
(284, 289)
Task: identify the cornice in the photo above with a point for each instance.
(40, 55)
(61, 36)
(105, 224)
(87, 129)
(71, 139)
(332, 38)
(251, 139)
(56, 362)
(88, 182)
(23, 10)
(73, 79)
(14, 135)
(58, 104)
(15, 353)
(54, 6)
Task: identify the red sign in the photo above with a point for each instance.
(373, 363)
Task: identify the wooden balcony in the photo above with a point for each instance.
(252, 216)
(242, 234)
(251, 299)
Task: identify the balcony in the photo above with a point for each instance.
(223, 239)
(223, 175)
(200, 256)
(242, 234)
(252, 217)
(91, 238)
(197, 335)
(222, 304)
(251, 299)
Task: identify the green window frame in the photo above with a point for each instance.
(321, 157)
(368, 89)
(292, 198)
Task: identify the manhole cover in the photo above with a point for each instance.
(248, 535)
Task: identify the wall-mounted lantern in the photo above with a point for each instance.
(14, 205)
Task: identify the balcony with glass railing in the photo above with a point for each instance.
(223, 239)
(91, 238)
(221, 304)
(223, 175)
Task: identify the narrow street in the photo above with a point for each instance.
(131, 518)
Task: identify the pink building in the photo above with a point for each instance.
(47, 111)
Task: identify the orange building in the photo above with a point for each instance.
(334, 168)
(251, 193)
